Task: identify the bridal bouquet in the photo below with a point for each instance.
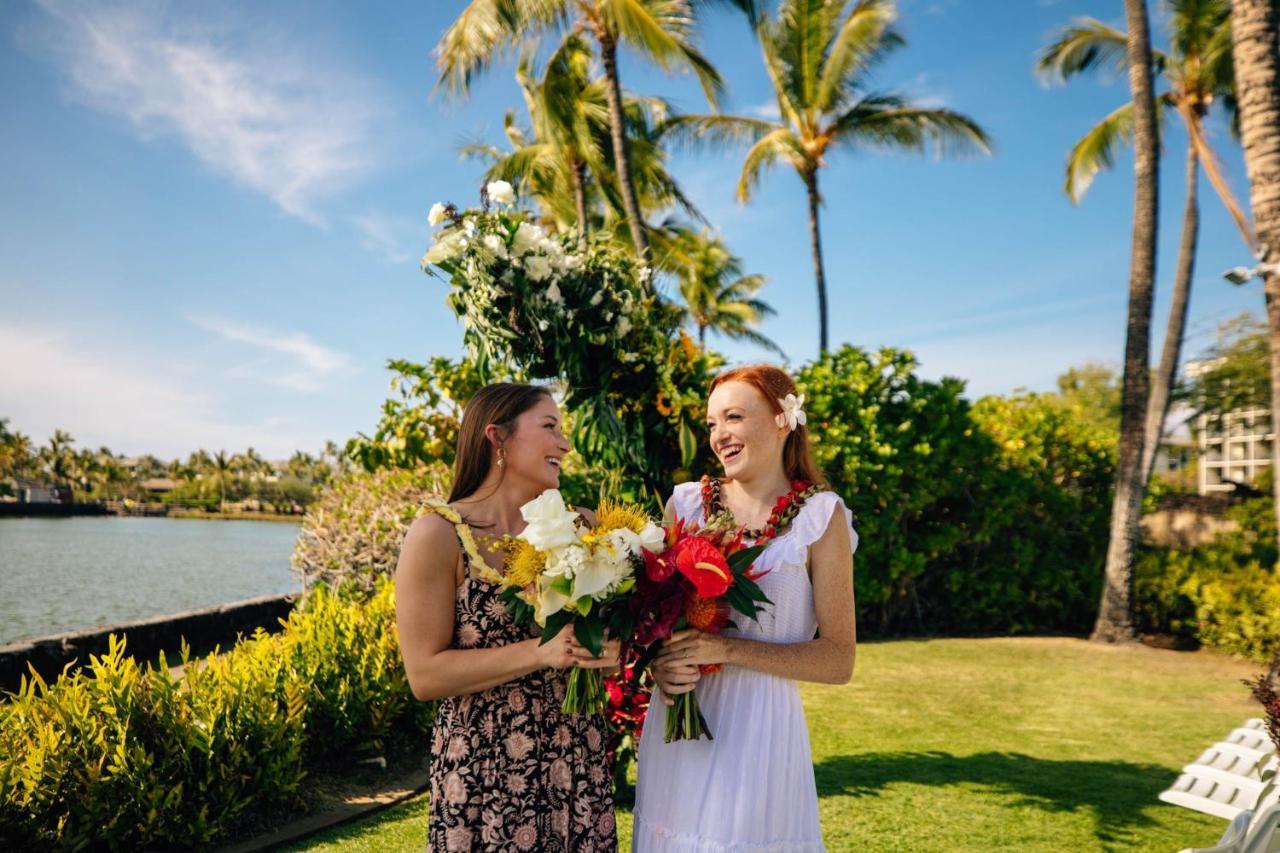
(560, 571)
(697, 581)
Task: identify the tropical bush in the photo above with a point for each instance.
(1224, 594)
(351, 536)
(986, 518)
(419, 426)
(123, 755)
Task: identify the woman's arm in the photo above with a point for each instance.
(828, 658)
(426, 588)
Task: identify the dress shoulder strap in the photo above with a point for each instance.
(475, 562)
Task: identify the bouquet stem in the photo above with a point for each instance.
(685, 720)
(585, 693)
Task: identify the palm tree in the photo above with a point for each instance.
(1196, 72)
(1255, 30)
(1115, 611)
(221, 470)
(15, 451)
(817, 54)
(662, 30)
(59, 457)
(716, 293)
(566, 162)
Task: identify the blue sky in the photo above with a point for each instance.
(212, 213)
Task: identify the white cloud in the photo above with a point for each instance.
(56, 379)
(386, 237)
(307, 364)
(767, 110)
(241, 99)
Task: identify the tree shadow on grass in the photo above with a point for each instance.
(1116, 793)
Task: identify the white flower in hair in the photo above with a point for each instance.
(792, 414)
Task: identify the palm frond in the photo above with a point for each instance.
(888, 122)
(778, 144)
(864, 36)
(1087, 45)
(695, 131)
(1097, 150)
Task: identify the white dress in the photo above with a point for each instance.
(752, 788)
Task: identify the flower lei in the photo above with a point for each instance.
(784, 511)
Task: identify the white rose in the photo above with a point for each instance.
(501, 192)
(550, 524)
(448, 246)
(436, 215)
(526, 238)
(624, 326)
(494, 244)
(653, 537)
(553, 294)
(598, 298)
(538, 267)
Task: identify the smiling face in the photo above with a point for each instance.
(536, 446)
(745, 435)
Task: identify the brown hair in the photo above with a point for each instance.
(500, 403)
(775, 384)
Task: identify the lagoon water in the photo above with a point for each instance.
(67, 574)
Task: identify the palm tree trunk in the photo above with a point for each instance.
(580, 202)
(613, 94)
(1158, 405)
(702, 335)
(815, 243)
(1115, 612)
(1255, 37)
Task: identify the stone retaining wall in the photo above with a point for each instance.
(203, 629)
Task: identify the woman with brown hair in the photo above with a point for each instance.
(509, 770)
(752, 787)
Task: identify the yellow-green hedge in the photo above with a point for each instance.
(122, 755)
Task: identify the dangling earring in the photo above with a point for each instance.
(502, 457)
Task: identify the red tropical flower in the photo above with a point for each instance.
(703, 564)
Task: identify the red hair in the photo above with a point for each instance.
(774, 384)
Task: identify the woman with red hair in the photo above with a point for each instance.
(752, 787)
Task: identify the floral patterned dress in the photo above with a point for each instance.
(509, 770)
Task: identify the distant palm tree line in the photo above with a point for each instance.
(102, 474)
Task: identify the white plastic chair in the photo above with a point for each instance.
(1251, 738)
(1214, 792)
(1234, 758)
(1231, 840)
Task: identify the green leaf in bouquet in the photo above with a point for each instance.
(555, 623)
(590, 633)
(740, 561)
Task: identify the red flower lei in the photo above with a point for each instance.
(784, 511)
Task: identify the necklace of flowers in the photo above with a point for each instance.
(784, 511)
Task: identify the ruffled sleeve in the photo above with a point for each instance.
(811, 523)
(686, 499)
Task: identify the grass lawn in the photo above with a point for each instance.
(1019, 744)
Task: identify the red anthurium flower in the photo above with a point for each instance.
(703, 564)
(658, 567)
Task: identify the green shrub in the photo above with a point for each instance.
(973, 518)
(120, 755)
(1224, 594)
(351, 535)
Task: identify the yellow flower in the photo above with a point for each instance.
(524, 563)
(616, 516)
